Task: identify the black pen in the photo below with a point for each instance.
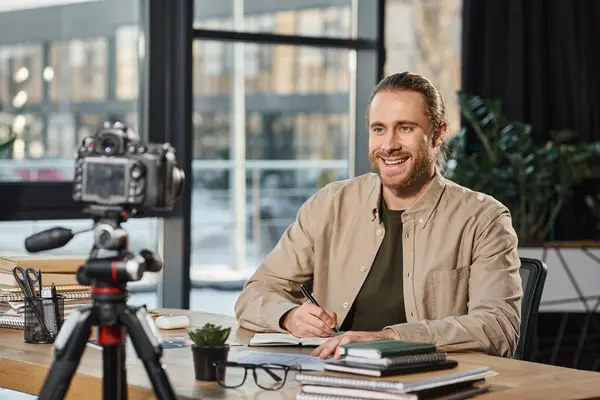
(309, 297)
(56, 307)
(40, 281)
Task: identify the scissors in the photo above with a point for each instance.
(27, 279)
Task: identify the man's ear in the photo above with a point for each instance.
(440, 136)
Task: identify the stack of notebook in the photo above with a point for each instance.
(461, 385)
(389, 357)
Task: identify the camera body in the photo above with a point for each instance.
(113, 168)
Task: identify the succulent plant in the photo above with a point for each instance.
(209, 336)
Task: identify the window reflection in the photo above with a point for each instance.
(270, 69)
(290, 18)
(296, 131)
(128, 43)
(80, 68)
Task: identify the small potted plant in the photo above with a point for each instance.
(209, 348)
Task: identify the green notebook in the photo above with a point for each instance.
(386, 348)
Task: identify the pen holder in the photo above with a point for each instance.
(44, 317)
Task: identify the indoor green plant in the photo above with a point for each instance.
(5, 146)
(209, 347)
(533, 180)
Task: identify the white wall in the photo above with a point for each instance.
(558, 285)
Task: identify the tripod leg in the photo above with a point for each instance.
(68, 348)
(113, 340)
(148, 347)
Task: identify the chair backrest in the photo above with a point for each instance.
(533, 275)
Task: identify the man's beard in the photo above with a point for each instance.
(419, 168)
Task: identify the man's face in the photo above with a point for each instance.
(401, 148)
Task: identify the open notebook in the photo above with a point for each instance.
(284, 339)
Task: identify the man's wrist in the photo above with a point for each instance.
(286, 318)
(391, 334)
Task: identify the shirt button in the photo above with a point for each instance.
(345, 305)
(408, 274)
(363, 268)
(420, 220)
(411, 314)
(379, 231)
(406, 234)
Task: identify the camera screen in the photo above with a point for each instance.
(105, 180)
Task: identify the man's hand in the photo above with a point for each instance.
(330, 347)
(309, 320)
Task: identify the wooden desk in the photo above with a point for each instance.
(23, 367)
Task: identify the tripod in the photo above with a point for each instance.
(109, 311)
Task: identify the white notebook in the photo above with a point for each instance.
(393, 386)
(284, 339)
(345, 393)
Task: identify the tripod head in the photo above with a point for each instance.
(109, 235)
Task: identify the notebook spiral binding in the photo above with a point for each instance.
(348, 382)
(67, 295)
(12, 322)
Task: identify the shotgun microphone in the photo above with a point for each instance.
(49, 239)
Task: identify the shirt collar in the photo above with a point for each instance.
(421, 209)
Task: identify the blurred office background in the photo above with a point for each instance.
(267, 106)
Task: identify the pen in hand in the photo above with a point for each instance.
(311, 299)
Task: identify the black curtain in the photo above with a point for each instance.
(541, 59)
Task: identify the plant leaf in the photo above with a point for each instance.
(4, 147)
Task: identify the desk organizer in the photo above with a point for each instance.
(44, 317)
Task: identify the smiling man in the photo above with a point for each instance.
(401, 253)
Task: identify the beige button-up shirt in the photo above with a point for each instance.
(462, 288)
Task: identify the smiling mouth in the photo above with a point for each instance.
(396, 161)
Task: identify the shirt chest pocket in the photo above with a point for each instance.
(448, 291)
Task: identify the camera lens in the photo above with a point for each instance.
(109, 145)
(177, 182)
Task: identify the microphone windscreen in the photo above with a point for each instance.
(49, 239)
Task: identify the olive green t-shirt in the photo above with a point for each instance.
(380, 301)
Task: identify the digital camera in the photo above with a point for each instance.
(115, 168)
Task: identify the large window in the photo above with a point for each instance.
(57, 85)
(279, 91)
(59, 81)
(279, 100)
(295, 138)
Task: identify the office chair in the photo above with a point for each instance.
(533, 275)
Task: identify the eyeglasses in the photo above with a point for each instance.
(266, 376)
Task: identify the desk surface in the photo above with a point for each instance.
(23, 367)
